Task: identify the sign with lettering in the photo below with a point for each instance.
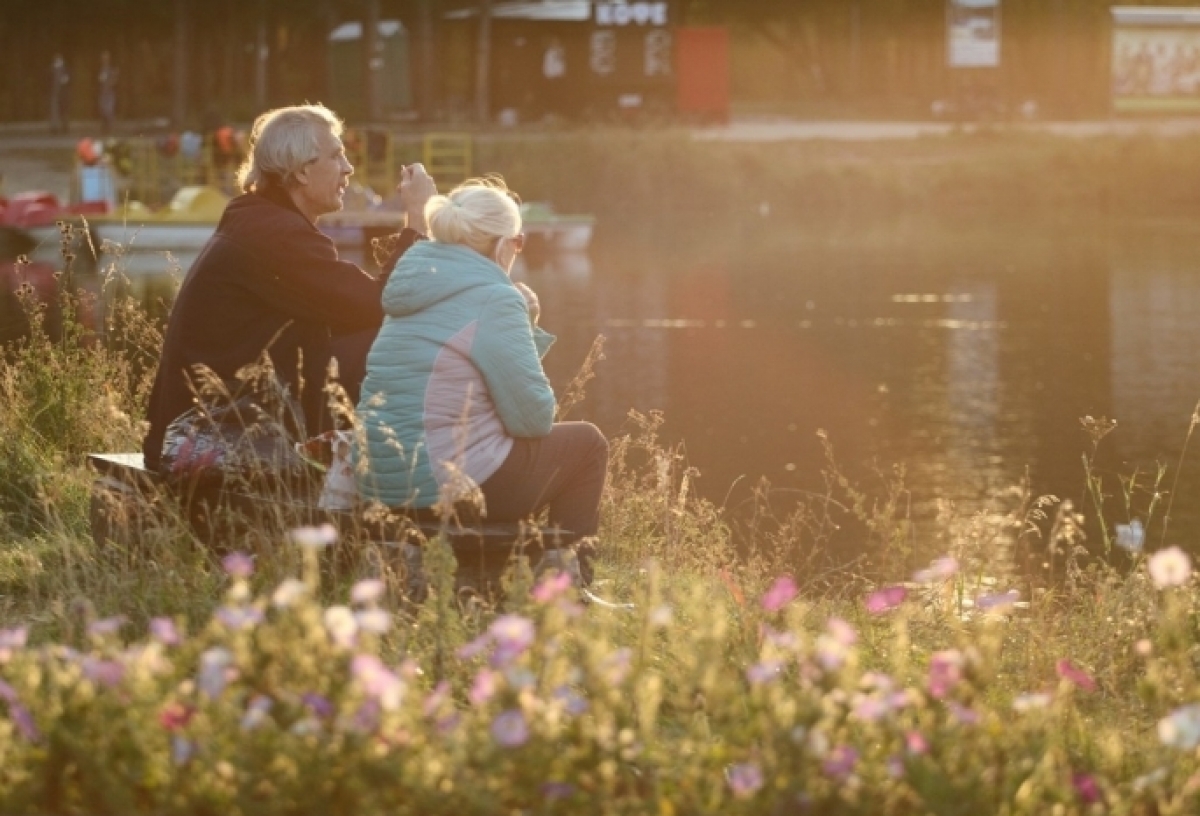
(973, 33)
(624, 14)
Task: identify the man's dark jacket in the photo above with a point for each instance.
(267, 279)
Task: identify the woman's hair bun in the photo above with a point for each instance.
(474, 214)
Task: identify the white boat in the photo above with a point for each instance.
(554, 231)
(184, 224)
(557, 231)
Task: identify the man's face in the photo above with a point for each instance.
(322, 182)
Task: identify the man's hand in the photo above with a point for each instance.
(531, 300)
(416, 188)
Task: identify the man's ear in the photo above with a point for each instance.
(301, 176)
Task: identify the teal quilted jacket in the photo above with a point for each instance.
(453, 376)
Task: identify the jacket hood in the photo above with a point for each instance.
(430, 272)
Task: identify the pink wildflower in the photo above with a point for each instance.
(780, 594)
(377, 680)
(238, 565)
(1069, 671)
(483, 687)
(941, 569)
(886, 599)
(945, 672)
(175, 716)
(915, 743)
(1086, 786)
(513, 635)
(367, 591)
(12, 640)
(551, 587)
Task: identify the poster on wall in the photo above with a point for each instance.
(1155, 59)
(973, 33)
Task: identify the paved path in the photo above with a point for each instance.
(769, 130)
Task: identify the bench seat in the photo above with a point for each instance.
(128, 501)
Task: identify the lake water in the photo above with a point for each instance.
(967, 355)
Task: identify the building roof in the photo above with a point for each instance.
(562, 10)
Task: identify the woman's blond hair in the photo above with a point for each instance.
(284, 140)
(475, 214)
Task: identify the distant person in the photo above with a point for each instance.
(455, 398)
(106, 84)
(269, 280)
(60, 95)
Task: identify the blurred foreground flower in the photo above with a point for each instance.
(744, 780)
(163, 630)
(886, 599)
(941, 569)
(1131, 537)
(238, 565)
(780, 594)
(509, 729)
(1181, 728)
(1069, 671)
(315, 538)
(1170, 567)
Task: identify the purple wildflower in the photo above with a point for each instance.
(554, 791)
(108, 673)
(617, 666)
(436, 699)
(999, 600)
(573, 703)
(512, 635)
(238, 565)
(509, 729)
(780, 594)
(744, 780)
(106, 626)
(840, 763)
(318, 704)
(763, 672)
(886, 599)
(964, 715)
(236, 618)
(214, 671)
(163, 630)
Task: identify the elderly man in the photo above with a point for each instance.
(269, 280)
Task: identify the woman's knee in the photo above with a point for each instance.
(589, 439)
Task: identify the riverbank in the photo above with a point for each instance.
(756, 170)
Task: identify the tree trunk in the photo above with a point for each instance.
(425, 63)
(483, 58)
(179, 108)
(372, 56)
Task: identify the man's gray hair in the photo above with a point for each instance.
(282, 141)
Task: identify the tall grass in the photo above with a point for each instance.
(755, 674)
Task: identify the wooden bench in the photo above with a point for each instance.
(129, 503)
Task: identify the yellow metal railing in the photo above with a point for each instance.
(448, 157)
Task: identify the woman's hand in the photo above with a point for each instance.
(531, 300)
(416, 187)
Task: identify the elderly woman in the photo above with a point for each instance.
(455, 396)
(269, 280)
